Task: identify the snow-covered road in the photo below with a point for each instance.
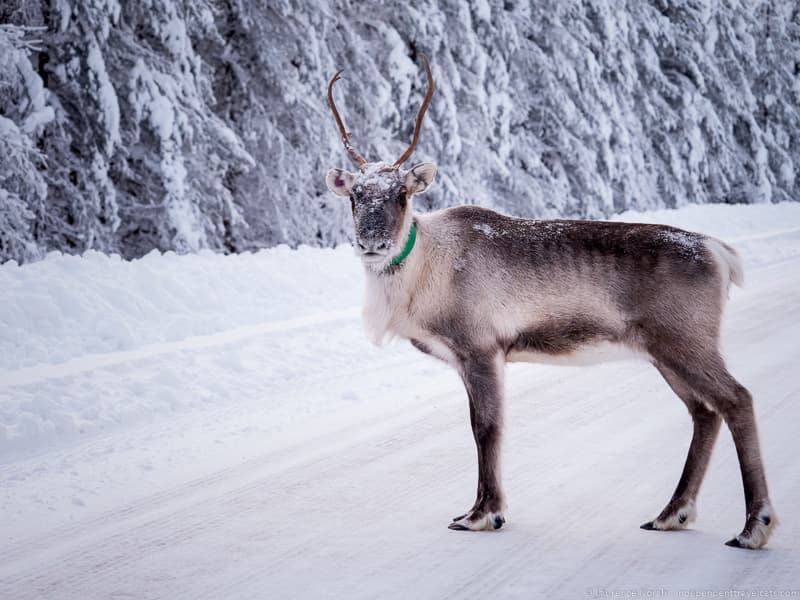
(268, 451)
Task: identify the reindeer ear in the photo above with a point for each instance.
(340, 181)
(420, 177)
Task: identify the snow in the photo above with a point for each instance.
(484, 228)
(689, 243)
(66, 306)
(38, 119)
(375, 176)
(106, 96)
(218, 426)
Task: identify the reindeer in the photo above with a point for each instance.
(478, 289)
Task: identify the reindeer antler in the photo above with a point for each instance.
(420, 115)
(360, 160)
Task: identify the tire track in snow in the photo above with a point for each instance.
(164, 499)
(204, 514)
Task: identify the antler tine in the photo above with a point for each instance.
(360, 160)
(420, 115)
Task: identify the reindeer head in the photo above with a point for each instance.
(380, 194)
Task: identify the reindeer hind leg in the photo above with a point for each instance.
(706, 375)
(681, 508)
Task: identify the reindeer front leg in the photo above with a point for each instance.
(483, 379)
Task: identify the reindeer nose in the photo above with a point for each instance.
(371, 246)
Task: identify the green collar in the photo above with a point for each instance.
(412, 237)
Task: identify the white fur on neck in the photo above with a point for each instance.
(387, 295)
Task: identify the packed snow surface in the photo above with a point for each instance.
(208, 426)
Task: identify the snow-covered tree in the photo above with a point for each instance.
(182, 125)
(23, 114)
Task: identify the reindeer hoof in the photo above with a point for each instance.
(745, 543)
(757, 529)
(674, 516)
(478, 521)
(734, 543)
(752, 542)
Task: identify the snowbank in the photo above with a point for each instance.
(94, 343)
(65, 306)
